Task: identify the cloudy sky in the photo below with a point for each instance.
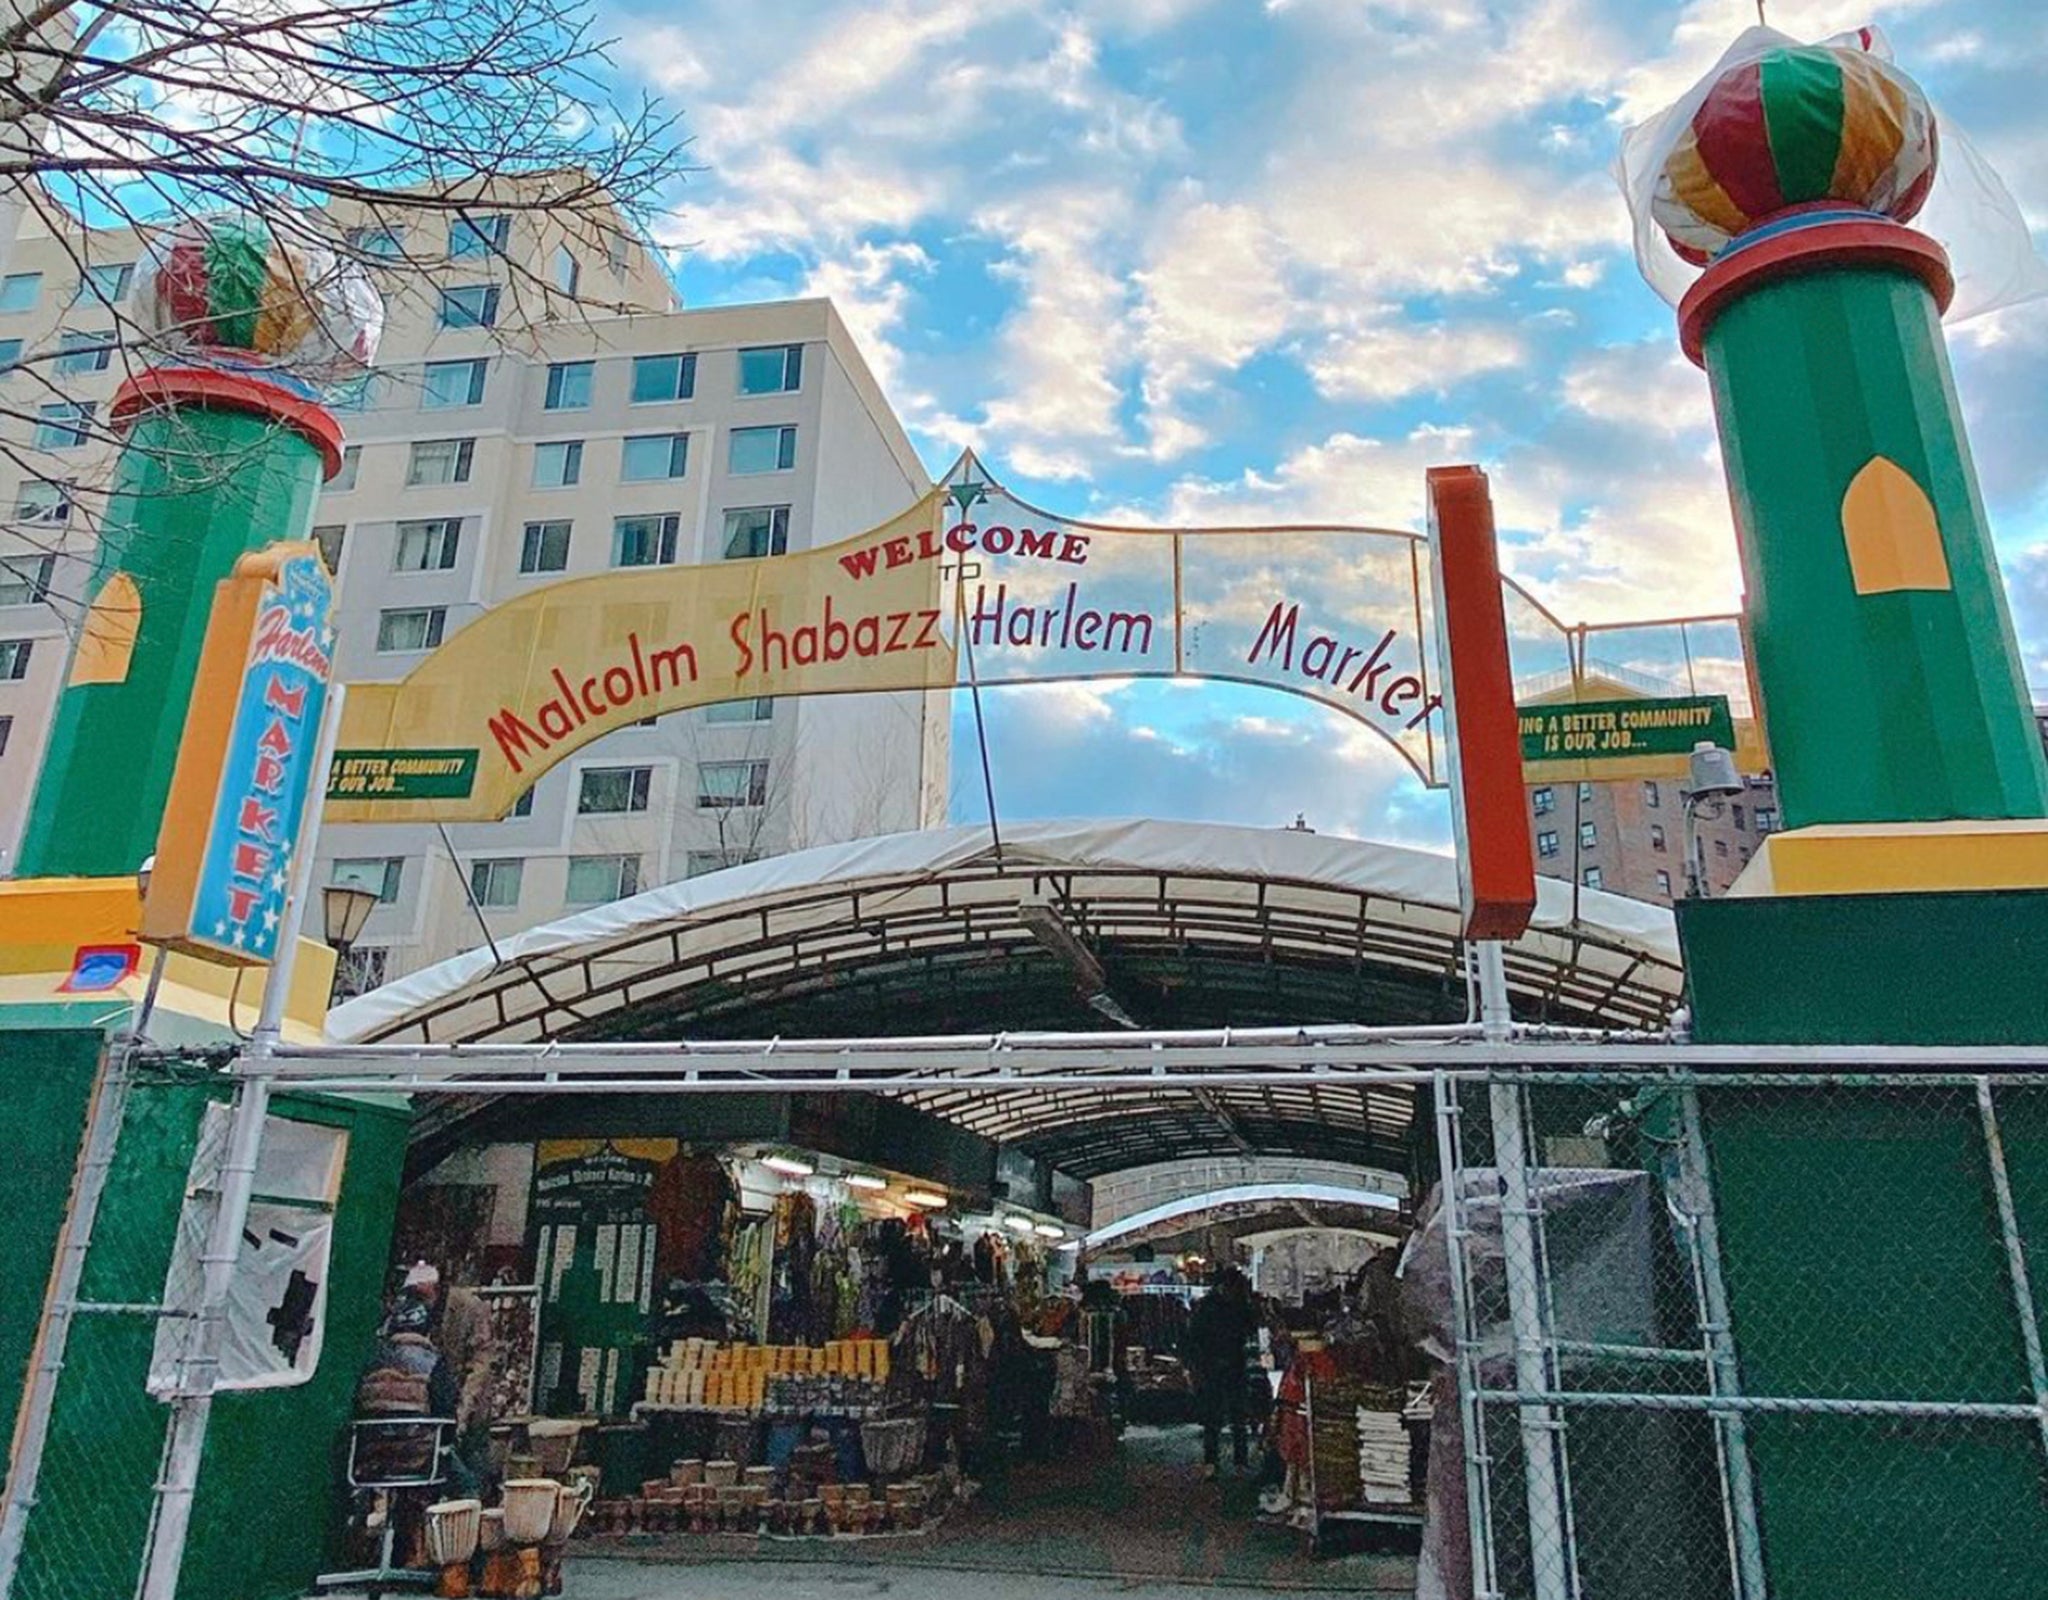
(1224, 260)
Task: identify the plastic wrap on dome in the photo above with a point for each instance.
(1799, 126)
(1778, 126)
(227, 289)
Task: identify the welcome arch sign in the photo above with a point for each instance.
(969, 585)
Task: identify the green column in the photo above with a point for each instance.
(194, 489)
(1902, 706)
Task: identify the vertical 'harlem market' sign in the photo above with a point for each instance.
(963, 586)
(245, 763)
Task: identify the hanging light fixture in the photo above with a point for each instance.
(1049, 1230)
(866, 1180)
(788, 1166)
(929, 1199)
(1018, 1224)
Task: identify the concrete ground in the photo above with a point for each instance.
(1140, 1523)
(1137, 1525)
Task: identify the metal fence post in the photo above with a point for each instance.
(1471, 1420)
(1724, 1373)
(199, 1363)
(2015, 1254)
(102, 1141)
(1549, 1550)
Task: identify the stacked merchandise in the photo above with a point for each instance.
(847, 1377)
(1383, 1457)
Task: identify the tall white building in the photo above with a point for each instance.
(507, 440)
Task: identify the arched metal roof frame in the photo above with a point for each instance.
(1348, 927)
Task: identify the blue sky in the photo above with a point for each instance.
(1218, 260)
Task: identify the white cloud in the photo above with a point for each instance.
(1385, 359)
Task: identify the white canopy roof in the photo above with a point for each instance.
(705, 952)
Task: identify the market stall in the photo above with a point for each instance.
(748, 1343)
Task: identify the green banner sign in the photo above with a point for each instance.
(1595, 730)
(402, 775)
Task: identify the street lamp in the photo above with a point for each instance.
(344, 909)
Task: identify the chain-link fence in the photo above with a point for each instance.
(1738, 1336)
(89, 1445)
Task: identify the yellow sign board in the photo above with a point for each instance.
(969, 584)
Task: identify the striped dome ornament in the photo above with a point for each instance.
(1801, 127)
(227, 291)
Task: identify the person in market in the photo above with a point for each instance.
(1223, 1323)
(406, 1377)
(459, 1324)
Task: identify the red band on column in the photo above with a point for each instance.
(1858, 243)
(212, 389)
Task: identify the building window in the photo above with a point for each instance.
(377, 242)
(39, 500)
(762, 710)
(1589, 836)
(1585, 794)
(1720, 847)
(414, 628)
(755, 450)
(469, 237)
(104, 285)
(351, 464)
(19, 291)
(1546, 843)
(1766, 819)
(10, 355)
(778, 369)
(330, 536)
(1591, 877)
(1736, 815)
(447, 385)
(495, 884)
(14, 654)
(62, 424)
(1544, 801)
(566, 269)
(381, 875)
(569, 385)
(644, 541)
(474, 305)
(1656, 837)
(436, 462)
(523, 806)
(699, 862)
(558, 465)
(361, 970)
(81, 353)
(427, 546)
(1664, 883)
(595, 879)
(754, 531)
(613, 791)
(649, 457)
(354, 394)
(731, 783)
(659, 378)
(544, 547)
(25, 580)
(6, 733)
(1653, 795)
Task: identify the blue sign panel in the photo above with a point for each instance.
(268, 767)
